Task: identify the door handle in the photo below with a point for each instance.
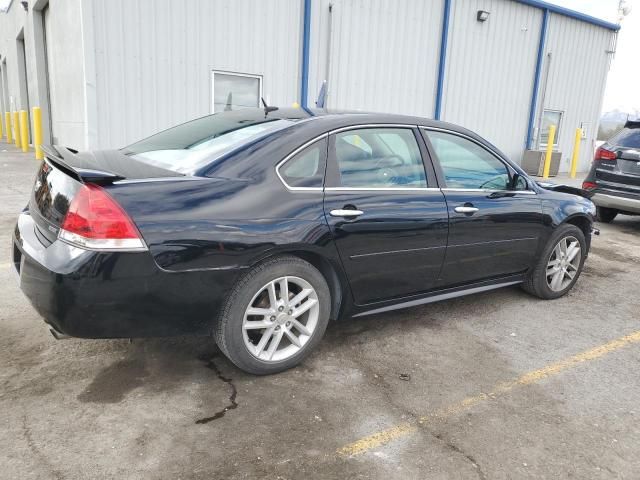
(465, 209)
(341, 212)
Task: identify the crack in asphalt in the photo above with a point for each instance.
(210, 363)
(458, 450)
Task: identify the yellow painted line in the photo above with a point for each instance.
(5, 265)
(383, 437)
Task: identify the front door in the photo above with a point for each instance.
(388, 219)
(495, 223)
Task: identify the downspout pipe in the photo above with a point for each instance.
(536, 78)
(306, 38)
(443, 58)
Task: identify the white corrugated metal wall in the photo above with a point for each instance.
(383, 54)
(66, 64)
(124, 69)
(490, 70)
(154, 58)
(580, 57)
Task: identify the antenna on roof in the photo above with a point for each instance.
(267, 108)
(322, 95)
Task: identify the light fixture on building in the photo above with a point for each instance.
(25, 5)
(482, 16)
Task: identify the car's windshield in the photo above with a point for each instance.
(194, 144)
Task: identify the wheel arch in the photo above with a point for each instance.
(332, 273)
(583, 223)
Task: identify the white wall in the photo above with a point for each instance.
(153, 59)
(383, 54)
(67, 61)
(490, 70)
(579, 65)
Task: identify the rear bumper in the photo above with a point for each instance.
(610, 200)
(92, 294)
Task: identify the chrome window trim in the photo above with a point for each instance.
(483, 190)
(488, 149)
(381, 189)
(293, 154)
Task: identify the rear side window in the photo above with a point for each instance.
(306, 168)
(628, 138)
(379, 158)
(465, 164)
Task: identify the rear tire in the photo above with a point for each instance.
(556, 271)
(275, 316)
(606, 215)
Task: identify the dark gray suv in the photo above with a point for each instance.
(614, 177)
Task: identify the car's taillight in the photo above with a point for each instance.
(95, 221)
(589, 185)
(604, 154)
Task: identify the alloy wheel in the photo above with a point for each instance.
(280, 319)
(563, 263)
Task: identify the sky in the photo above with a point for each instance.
(622, 92)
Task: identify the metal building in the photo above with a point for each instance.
(107, 73)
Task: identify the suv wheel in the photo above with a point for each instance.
(274, 316)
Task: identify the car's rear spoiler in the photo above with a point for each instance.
(565, 189)
(103, 167)
(65, 159)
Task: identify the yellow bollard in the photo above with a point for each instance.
(7, 122)
(576, 153)
(16, 128)
(37, 132)
(547, 158)
(24, 130)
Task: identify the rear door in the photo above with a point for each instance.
(387, 216)
(494, 226)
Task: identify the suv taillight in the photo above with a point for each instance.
(589, 185)
(604, 154)
(96, 222)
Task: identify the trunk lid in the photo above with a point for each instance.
(63, 172)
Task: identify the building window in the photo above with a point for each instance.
(233, 91)
(550, 117)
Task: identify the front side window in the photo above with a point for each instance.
(465, 164)
(306, 168)
(379, 158)
(233, 91)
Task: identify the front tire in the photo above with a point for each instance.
(606, 215)
(275, 316)
(560, 264)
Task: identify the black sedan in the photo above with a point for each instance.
(614, 178)
(257, 227)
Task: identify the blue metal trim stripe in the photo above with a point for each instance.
(570, 13)
(443, 58)
(306, 34)
(536, 78)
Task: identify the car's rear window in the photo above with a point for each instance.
(195, 144)
(627, 137)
